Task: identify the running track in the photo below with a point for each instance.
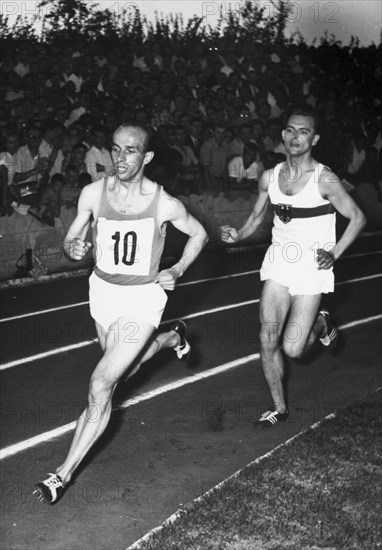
(49, 351)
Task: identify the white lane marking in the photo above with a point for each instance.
(359, 279)
(46, 436)
(43, 311)
(63, 349)
(55, 351)
(188, 283)
(181, 511)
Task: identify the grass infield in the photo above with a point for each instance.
(321, 491)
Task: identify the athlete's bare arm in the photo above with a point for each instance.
(230, 234)
(172, 210)
(74, 245)
(332, 189)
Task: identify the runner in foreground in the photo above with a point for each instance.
(128, 213)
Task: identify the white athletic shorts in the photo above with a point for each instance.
(299, 274)
(135, 303)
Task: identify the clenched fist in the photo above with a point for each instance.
(229, 234)
(77, 248)
(167, 278)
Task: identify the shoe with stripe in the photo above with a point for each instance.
(183, 350)
(271, 418)
(329, 340)
(49, 490)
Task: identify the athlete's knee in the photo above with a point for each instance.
(294, 350)
(269, 337)
(100, 389)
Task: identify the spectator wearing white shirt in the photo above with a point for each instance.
(244, 172)
(51, 145)
(98, 158)
(357, 155)
(7, 171)
(82, 108)
(31, 169)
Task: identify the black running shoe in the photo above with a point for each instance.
(49, 490)
(271, 418)
(183, 350)
(331, 336)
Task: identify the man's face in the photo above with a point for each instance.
(12, 144)
(299, 135)
(99, 139)
(71, 177)
(257, 131)
(273, 131)
(220, 134)
(180, 136)
(33, 138)
(128, 153)
(80, 154)
(245, 134)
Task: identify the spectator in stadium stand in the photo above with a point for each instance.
(82, 107)
(31, 169)
(231, 63)
(13, 87)
(213, 160)
(356, 156)
(98, 158)
(51, 145)
(167, 161)
(77, 157)
(49, 204)
(258, 136)
(195, 108)
(244, 173)
(160, 115)
(7, 171)
(69, 94)
(374, 135)
(62, 113)
(272, 140)
(78, 74)
(71, 190)
(194, 138)
(73, 136)
(236, 147)
(189, 180)
(263, 112)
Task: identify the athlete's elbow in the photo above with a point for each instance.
(360, 220)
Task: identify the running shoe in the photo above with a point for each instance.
(331, 335)
(183, 350)
(49, 490)
(271, 418)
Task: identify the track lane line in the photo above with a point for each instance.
(187, 283)
(57, 432)
(64, 349)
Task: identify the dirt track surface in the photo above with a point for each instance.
(161, 453)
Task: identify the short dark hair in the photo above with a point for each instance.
(147, 140)
(304, 110)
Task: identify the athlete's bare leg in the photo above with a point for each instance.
(169, 339)
(119, 355)
(275, 302)
(304, 326)
(297, 317)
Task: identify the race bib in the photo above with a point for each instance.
(124, 247)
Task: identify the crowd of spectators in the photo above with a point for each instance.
(215, 114)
